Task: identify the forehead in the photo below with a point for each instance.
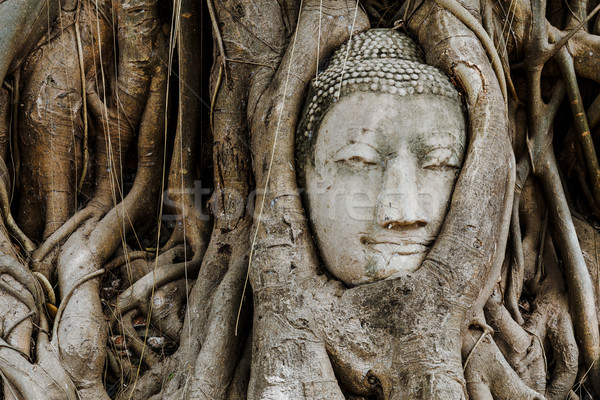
(383, 118)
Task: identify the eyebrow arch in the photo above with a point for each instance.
(444, 134)
(356, 142)
(362, 131)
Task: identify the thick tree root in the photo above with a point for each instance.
(82, 333)
(489, 376)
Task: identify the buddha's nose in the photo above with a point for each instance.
(398, 205)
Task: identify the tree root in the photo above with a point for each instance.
(11, 266)
(310, 336)
(125, 259)
(82, 334)
(32, 381)
(61, 233)
(194, 228)
(67, 297)
(134, 343)
(47, 287)
(18, 322)
(44, 380)
(21, 237)
(167, 303)
(489, 376)
(139, 293)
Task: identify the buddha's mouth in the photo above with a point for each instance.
(388, 244)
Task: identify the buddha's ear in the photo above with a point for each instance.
(312, 172)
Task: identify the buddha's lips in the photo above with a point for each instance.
(396, 245)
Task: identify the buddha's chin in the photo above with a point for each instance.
(379, 266)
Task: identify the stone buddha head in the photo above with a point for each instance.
(379, 148)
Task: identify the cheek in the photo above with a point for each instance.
(355, 194)
(435, 193)
(342, 204)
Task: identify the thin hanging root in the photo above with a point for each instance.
(565, 62)
(466, 18)
(513, 292)
(64, 302)
(14, 146)
(483, 335)
(17, 323)
(539, 268)
(134, 343)
(214, 98)
(22, 297)
(124, 259)
(218, 38)
(10, 222)
(61, 233)
(84, 99)
(47, 287)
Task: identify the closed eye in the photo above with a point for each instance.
(441, 159)
(356, 159)
(357, 153)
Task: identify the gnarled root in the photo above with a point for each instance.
(90, 247)
(487, 373)
(168, 302)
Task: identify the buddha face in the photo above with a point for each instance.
(384, 171)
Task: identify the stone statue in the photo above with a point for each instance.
(379, 148)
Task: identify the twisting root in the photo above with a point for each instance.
(30, 302)
(466, 364)
(64, 302)
(84, 99)
(141, 290)
(10, 222)
(17, 323)
(217, 32)
(134, 343)
(124, 259)
(47, 287)
(565, 63)
(466, 18)
(61, 233)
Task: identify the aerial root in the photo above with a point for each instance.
(12, 226)
(17, 323)
(125, 259)
(488, 375)
(133, 342)
(61, 233)
(140, 291)
(32, 381)
(64, 302)
(47, 287)
(18, 271)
